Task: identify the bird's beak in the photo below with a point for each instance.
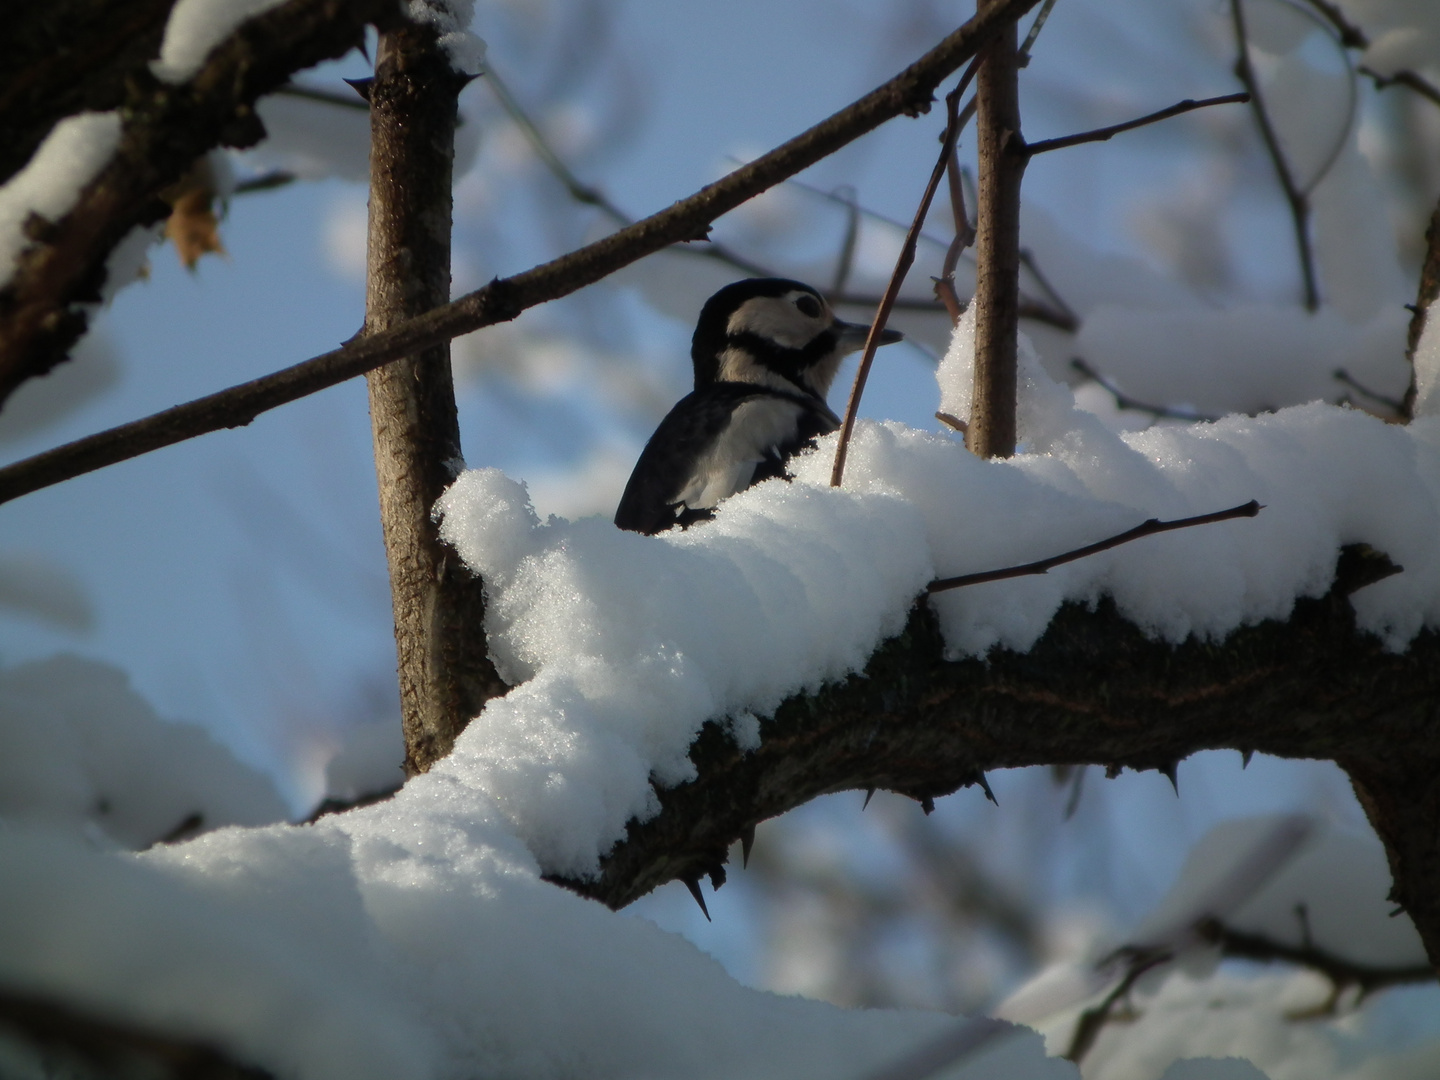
(854, 335)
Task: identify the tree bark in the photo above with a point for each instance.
(1093, 690)
(1002, 156)
(445, 675)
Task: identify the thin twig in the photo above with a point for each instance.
(1060, 316)
(1087, 1028)
(964, 236)
(1125, 401)
(1106, 133)
(1409, 79)
(845, 263)
(1022, 56)
(1297, 200)
(1341, 972)
(1351, 36)
(340, 98)
(265, 181)
(503, 299)
(1068, 318)
(902, 266)
(1146, 528)
(579, 191)
(1394, 404)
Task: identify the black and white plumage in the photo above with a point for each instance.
(765, 352)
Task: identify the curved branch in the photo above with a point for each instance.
(503, 299)
(1093, 690)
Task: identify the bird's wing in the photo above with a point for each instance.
(706, 449)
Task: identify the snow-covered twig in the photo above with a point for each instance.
(1146, 528)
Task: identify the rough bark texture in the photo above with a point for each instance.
(997, 246)
(445, 675)
(1094, 690)
(165, 129)
(68, 56)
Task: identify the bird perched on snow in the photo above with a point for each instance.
(765, 352)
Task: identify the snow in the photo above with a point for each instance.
(71, 156)
(451, 18)
(627, 645)
(81, 751)
(411, 940)
(195, 28)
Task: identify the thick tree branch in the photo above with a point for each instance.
(1093, 690)
(165, 129)
(67, 56)
(909, 93)
(445, 675)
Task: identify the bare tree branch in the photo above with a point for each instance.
(1151, 527)
(1295, 197)
(1106, 133)
(1125, 401)
(444, 672)
(1342, 973)
(909, 93)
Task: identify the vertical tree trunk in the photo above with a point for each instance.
(445, 675)
(997, 245)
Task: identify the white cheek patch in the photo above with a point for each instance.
(737, 365)
(777, 319)
(755, 428)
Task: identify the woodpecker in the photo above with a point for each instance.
(765, 352)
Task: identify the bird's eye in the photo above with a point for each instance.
(808, 305)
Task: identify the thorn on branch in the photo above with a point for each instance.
(1171, 771)
(1146, 528)
(747, 842)
(985, 787)
(693, 884)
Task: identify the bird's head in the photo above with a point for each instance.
(774, 332)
